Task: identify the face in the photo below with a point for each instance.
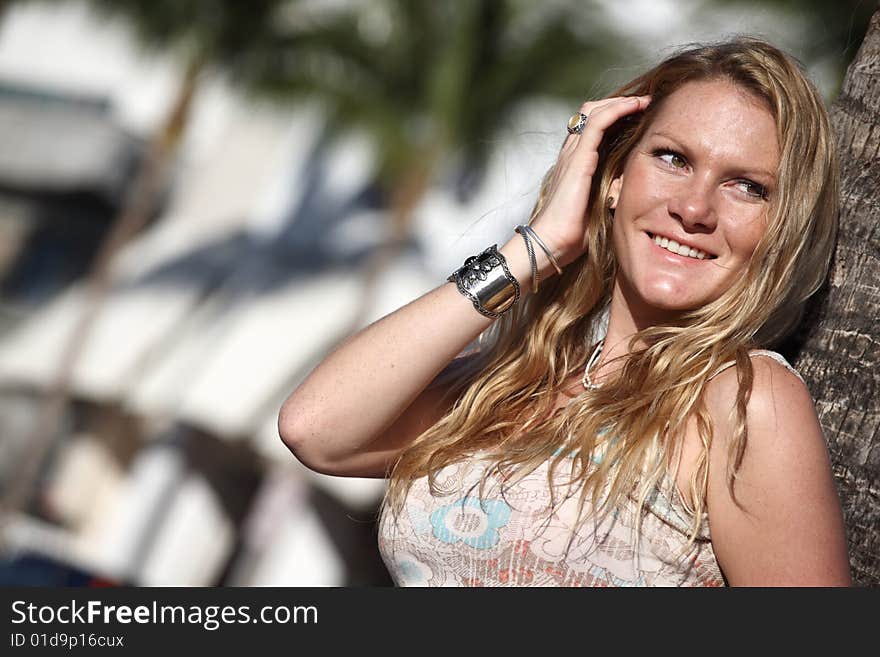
(699, 183)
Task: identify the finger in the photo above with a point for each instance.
(595, 105)
(588, 107)
(591, 108)
(579, 154)
(604, 117)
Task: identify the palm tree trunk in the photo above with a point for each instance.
(841, 353)
(137, 209)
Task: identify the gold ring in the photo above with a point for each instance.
(576, 123)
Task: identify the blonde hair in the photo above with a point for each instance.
(505, 394)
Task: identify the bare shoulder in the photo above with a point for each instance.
(783, 525)
(777, 394)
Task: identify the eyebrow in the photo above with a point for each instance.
(665, 135)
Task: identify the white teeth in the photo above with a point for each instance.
(680, 249)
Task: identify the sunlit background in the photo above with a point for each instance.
(200, 198)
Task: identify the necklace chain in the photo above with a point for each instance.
(586, 380)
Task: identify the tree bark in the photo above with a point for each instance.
(840, 357)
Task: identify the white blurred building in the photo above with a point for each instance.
(172, 471)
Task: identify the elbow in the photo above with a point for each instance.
(286, 430)
(303, 437)
(294, 433)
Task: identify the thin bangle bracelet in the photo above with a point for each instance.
(544, 248)
(532, 260)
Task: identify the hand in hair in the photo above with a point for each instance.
(562, 218)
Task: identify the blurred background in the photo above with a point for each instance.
(200, 198)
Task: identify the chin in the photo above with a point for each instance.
(670, 299)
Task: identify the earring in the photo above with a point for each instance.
(609, 203)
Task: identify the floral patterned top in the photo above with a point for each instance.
(512, 537)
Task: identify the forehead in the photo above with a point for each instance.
(720, 119)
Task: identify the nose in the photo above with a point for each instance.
(693, 206)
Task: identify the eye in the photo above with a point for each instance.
(753, 189)
(672, 158)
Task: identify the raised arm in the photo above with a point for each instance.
(371, 397)
(789, 529)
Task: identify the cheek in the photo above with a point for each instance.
(641, 191)
(745, 236)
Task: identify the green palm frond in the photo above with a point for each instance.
(439, 78)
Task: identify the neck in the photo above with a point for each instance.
(626, 317)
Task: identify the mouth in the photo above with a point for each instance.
(680, 249)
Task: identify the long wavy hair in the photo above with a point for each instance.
(504, 394)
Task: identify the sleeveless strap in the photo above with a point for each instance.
(779, 358)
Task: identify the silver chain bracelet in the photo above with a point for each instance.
(523, 230)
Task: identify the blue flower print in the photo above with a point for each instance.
(409, 570)
(412, 572)
(471, 522)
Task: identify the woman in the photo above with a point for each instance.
(610, 418)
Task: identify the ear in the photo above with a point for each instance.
(614, 192)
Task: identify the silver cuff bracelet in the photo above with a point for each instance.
(487, 282)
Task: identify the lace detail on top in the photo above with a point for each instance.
(779, 358)
(512, 536)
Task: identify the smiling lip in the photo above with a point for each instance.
(709, 256)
